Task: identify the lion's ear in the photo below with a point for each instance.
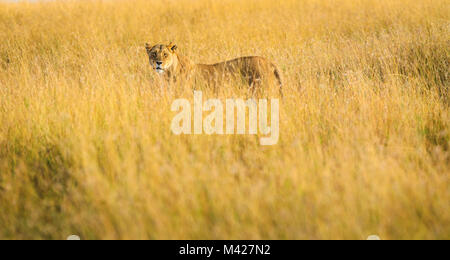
(147, 46)
(173, 47)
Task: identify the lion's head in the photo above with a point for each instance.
(161, 56)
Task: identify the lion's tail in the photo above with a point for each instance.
(277, 74)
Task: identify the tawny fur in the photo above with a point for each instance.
(172, 66)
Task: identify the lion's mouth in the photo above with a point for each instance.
(159, 70)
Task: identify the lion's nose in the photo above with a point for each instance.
(158, 62)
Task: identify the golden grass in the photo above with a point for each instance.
(86, 147)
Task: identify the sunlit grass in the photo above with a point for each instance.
(86, 147)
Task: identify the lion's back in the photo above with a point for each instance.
(242, 65)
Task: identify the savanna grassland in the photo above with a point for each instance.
(86, 146)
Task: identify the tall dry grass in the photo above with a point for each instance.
(86, 147)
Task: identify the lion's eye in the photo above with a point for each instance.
(154, 55)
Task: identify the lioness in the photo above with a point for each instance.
(255, 70)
